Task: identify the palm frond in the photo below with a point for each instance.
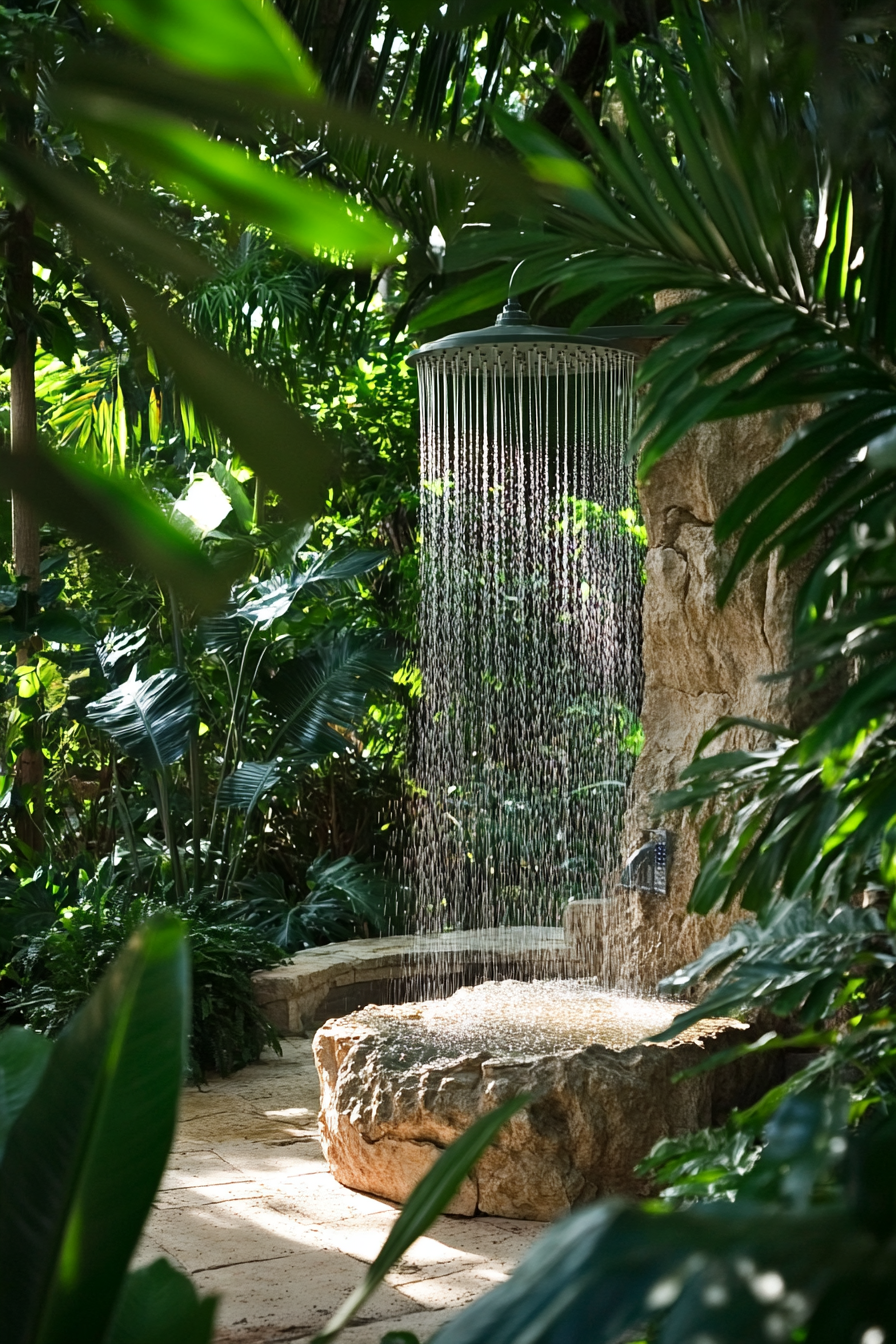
(150, 719)
(320, 695)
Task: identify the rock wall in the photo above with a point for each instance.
(700, 664)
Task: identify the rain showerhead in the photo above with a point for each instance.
(513, 327)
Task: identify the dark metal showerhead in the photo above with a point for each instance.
(514, 326)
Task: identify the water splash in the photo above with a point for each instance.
(511, 1020)
(530, 641)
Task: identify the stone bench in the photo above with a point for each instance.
(323, 982)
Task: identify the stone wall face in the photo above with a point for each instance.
(701, 663)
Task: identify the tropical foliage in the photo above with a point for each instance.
(85, 1128)
(758, 186)
(207, 270)
(153, 755)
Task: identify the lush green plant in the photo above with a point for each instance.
(59, 933)
(717, 189)
(806, 1254)
(289, 672)
(342, 895)
(778, 228)
(85, 1128)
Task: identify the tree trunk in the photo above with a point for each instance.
(23, 405)
(29, 769)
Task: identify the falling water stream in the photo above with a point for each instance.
(530, 651)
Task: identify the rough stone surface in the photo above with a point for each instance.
(396, 1088)
(702, 663)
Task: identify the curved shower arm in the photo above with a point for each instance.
(517, 267)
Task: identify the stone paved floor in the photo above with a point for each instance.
(248, 1208)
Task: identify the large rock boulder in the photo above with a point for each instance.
(398, 1084)
(702, 663)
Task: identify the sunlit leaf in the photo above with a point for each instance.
(229, 39)
(314, 219)
(152, 719)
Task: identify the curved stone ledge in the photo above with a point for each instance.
(329, 981)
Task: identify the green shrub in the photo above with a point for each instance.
(229, 1029)
(58, 934)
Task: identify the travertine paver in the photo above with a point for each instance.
(248, 1208)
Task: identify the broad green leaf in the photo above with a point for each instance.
(118, 516)
(223, 632)
(611, 1270)
(469, 297)
(360, 885)
(24, 1055)
(227, 39)
(85, 1157)
(152, 719)
(238, 102)
(249, 783)
(326, 689)
(294, 457)
(61, 627)
(322, 916)
(314, 219)
(438, 1187)
(159, 1305)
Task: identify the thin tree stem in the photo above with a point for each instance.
(30, 765)
(194, 761)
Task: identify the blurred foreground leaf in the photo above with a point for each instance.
(281, 445)
(160, 1306)
(229, 39)
(23, 1058)
(112, 513)
(306, 215)
(85, 1157)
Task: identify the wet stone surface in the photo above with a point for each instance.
(400, 1083)
(515, 1020)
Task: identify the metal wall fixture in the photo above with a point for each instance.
(647, 868)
